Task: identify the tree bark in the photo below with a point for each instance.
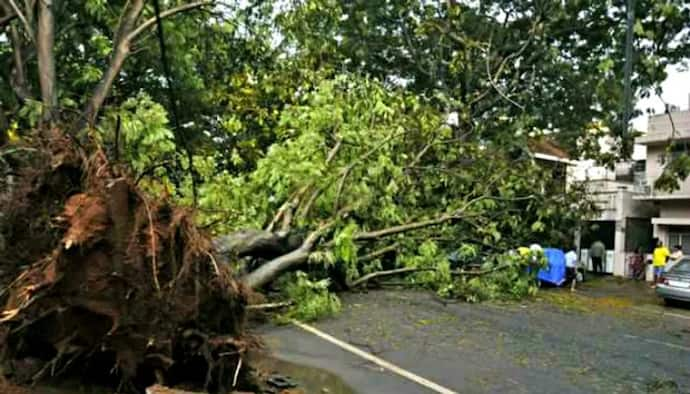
(45, 42)
(272, 269)
(257, 243)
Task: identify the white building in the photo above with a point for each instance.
(672, 223)
(624, 222)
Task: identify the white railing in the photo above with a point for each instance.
(605, 201)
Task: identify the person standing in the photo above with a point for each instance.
(675, 257)
(659, 258)
(571, 267)
(597, 252)
(637, 264)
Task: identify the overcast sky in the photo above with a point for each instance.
(676, 92)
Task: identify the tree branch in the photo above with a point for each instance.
(479, 272)
(149, 170)
(493, 82)
(378, 252)
(170, 12)
(18, 74)
(126, 33)
(370, 235)
(7, 19)
(269, 306)
(117, 59)
(287, 205)
(398, 271)
(22, 18)
(256, 243)
(349, 168)
(304, 210)
(406, 270)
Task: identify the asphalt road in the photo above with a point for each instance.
(557, 344)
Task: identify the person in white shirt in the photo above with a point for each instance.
(571, 267)
(537, 251)
(675, 257)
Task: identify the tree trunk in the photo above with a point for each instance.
(4, 125)
(257, 243)
(45, 42)
(271, 270)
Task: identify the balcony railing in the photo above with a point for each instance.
(640, 185)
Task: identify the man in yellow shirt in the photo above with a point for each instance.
(659, 258)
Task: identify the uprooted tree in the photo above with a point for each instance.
(352, 141)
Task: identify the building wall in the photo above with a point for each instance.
(674, 209)
(655, 168)
(633, 208)
(660, 129)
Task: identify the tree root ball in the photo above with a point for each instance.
(118, 287)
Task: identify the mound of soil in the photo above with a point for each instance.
(105, 283)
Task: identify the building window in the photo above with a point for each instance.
(680, 238)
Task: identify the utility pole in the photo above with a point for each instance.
(627, 76)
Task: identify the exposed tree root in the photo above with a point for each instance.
(111, 285)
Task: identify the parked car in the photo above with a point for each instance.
(676, 282)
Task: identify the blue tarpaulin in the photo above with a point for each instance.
(554, 273)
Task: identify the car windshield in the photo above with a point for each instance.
(682, 267)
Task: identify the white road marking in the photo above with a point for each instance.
(676, 315)
(378, 361)
(662, 313)
(654, 341)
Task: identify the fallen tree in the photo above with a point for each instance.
(354, 197)
(357, 179)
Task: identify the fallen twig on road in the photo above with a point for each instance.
(270, 305)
